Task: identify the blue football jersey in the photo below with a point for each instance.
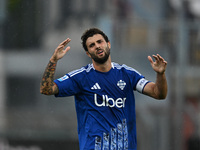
(105, 105)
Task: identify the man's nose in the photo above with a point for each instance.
(97, 46)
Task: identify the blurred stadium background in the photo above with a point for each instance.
(30, 30)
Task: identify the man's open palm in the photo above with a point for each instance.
(159, 65)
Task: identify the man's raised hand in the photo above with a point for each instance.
(159, 65)
(60, 51)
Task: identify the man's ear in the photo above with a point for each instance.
(88, 54)
(109, 45)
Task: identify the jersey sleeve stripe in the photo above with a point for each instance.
(87, 69)
(125, 66)
(71, 74)
(130, 68)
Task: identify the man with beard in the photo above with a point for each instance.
(103, 91)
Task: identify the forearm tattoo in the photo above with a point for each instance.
(47, 80)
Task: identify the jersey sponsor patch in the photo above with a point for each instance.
(65, 77)
(110, 102)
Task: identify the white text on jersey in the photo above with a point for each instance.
(110, 102)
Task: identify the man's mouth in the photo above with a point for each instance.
(99, 52)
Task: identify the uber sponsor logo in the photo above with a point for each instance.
(110, 102)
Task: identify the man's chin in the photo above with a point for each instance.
(101, 60)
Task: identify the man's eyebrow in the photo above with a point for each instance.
(90, 44)
(99, 40)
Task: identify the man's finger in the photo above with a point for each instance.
(67, 49)
(156, 57)
(65, 42)
(60, 47)
(162, 59)
(159, 57)
(150, 59)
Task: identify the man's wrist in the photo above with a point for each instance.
(53, 60)
(161, 73)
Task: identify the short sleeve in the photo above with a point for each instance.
(138, 81)
(67, 86)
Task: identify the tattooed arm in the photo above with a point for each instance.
(47, 86)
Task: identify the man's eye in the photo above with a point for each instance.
(91, 45)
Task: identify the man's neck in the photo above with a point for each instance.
(105, 67)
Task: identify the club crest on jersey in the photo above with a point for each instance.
(121, 84)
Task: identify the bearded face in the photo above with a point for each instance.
(98, 49)
(102, 55)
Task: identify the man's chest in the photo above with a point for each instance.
(113, 85)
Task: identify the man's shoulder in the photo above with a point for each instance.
(81, 71)
(123, 67)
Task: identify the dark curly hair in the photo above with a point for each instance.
(89, 33)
